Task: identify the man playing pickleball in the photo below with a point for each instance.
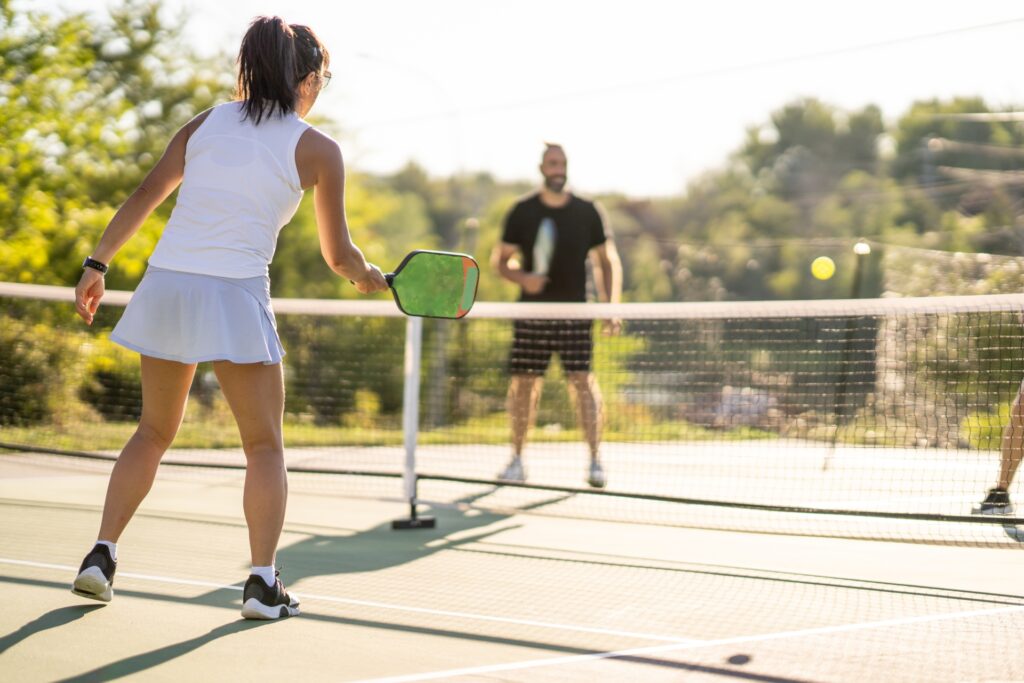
(552, 233)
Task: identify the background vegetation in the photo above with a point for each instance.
(87, 105)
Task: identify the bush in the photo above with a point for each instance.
(112, 384)
(984, 430)
(29, 366)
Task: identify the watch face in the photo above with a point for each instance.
(90, 262)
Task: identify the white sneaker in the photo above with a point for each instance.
(513, 471)
(596, 476)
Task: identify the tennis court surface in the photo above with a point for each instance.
(485, 596)
(789, 498)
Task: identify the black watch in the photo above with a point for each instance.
(90, 262)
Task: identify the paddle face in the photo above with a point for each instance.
(435, 284)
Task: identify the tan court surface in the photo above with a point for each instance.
(487, 596)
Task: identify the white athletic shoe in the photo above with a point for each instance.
(95, 578)
(513, 471)
(596, 477)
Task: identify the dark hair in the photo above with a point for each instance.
(551, 147)
(273, 59)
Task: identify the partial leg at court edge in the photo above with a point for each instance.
(997, 502)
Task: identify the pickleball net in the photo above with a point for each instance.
(878, 418)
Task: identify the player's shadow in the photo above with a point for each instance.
(382, 547)
(147, 660)
(128, 666)
(44, 622)
(365, 551)
(1015, 532)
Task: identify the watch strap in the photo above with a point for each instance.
(90, 262)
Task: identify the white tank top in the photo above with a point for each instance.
(240, 188)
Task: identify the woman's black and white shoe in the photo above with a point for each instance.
(95, 578)
(260, 601)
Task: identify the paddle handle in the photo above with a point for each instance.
(388, 277)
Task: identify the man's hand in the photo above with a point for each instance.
(88, 293)
(532, 283)
(372, 281)
(611, 328)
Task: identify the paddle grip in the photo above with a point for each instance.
(388, 277)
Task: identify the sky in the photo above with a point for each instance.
(645, 96)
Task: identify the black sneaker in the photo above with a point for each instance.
(997, 502)
(260, 601)
(95, 578)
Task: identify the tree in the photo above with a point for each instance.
(86, 108)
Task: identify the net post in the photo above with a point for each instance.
(861, 251)
(410, 422)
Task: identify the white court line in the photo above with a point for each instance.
(656, 649)
(675, 640)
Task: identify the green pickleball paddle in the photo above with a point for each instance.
(435, 284)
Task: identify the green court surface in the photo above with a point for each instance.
(497, 592)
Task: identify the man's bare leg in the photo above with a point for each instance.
(590, 411)
(523, 398)
(1013, 443)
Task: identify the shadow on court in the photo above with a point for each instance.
(381, 547)
(139, 663)
(52, 619)
(373, 549)
(130, 665)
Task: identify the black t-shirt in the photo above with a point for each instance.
(577, 229)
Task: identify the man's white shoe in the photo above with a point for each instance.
(513, 471)
(596, 476)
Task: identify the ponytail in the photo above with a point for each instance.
(272, 61)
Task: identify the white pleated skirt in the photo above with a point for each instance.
(192, 318)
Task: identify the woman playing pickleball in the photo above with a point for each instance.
(242, 167)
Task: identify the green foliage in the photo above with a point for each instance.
(335, 364)
(809, 145)
(112, 382)
(30, 364)
(86, 108)
(931, 119)
(814, 179)
(983, 430)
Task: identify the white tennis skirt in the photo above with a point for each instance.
(192, 318)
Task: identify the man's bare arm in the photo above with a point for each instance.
(607, 272)
(501, 261)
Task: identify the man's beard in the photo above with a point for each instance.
(555, 183)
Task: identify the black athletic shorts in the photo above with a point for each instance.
(533, 342)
